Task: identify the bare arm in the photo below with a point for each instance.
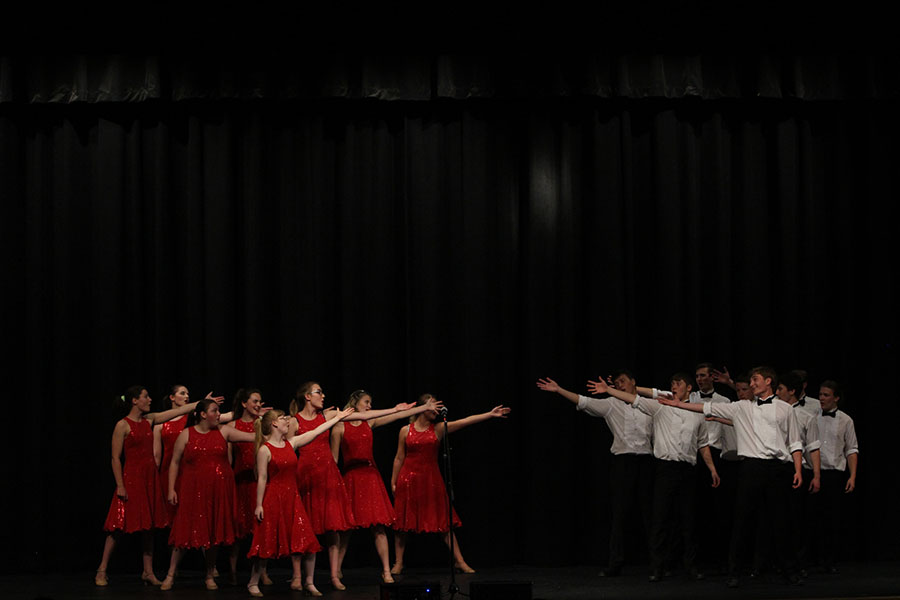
(120, 431)
(431, 404)
(851, 481)
(337, 434)
(496, 412)
(707, 458)
(399, 457)
(335, 417)
(797, 455)
(177, 452)
(232, 434)
(601, 387)
(262, 476)
(548, 385)
(157, 445)
(815, 457)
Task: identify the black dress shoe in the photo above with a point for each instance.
(611, 572)
(793, 579)
(655, 577)
(695, 575)
(733, 582)
(832, 570)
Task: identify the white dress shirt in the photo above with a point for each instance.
(811, 405)
(838, 437)
(677, 434)
(630, 427)
(763, 431)
(715, 430)
(809, 431)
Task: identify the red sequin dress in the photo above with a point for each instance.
(285, 528)
(138, 513)
(205, 515)
(168, 433)
(320, 484)
(420, 500)
(244, 482)
(369, 499)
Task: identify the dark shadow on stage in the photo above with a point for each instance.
(859, 580)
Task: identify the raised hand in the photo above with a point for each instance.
(548, 385)
(216, 399)
(500, 411)
(597, 387)
(346, 412)
(404, 406)
(722, 376)
(433, 404)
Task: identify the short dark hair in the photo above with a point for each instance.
(705, 365)
(833, 386)
(792, 382)
(682, 376)
(767, 373)
(803, 375)
(625, 372)
(742, 377)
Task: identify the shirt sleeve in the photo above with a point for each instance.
(795, 440)
(724, 410)
(813, 442)
(850, 443)
(646, 405)
(596, 407)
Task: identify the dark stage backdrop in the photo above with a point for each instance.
(459, 247)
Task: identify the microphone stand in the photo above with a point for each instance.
(448, 480)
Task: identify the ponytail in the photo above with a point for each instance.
(262, 427)
(299, 400)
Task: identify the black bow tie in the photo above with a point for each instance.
(706, 394)
(831, 414)
(801, 401)
(766, 401)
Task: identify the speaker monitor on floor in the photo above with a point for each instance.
(500, 590)
(411, 591)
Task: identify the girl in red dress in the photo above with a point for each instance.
(248, 407)
(137, 502)
(369, 499)
(318, 480)
(420, 497)
(205, 494)
(282, 526)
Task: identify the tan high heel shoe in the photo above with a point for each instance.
(310, 590)
(210, 583)
(100, 579)
(386, 577)
(463, 568)
(167, 583)
(150, 579)
(336, 584)
(254, 591)
(397, 569)
(265, 579)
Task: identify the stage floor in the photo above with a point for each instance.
(869, 580)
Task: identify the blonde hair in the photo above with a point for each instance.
(355, 397)
(263, 427)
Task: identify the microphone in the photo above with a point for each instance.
(443, 412)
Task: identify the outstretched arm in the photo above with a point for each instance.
(373, 414)
(432, 404)
(168, 415)
(601, 387)
(548, 385)
(691, 406)
(232, 434)
(399, 458)
(496, 412)
(335, 417)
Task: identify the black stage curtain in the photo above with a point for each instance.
(463, 248)
(280, 74)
